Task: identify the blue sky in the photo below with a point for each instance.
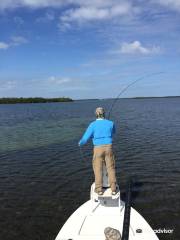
(89, 49)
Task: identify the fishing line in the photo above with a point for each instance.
(82, 154)
(84, 159)
(128, 86)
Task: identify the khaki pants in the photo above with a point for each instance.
(104, 153)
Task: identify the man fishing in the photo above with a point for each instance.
(101, 131)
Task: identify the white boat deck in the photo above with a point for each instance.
(90, 219)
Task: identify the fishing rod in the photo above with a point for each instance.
(128, 86)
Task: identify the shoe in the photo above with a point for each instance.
(100, 193)
(113, 193)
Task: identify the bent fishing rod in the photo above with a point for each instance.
(119, 95)
(127, 87)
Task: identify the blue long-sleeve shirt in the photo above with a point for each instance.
(101, 132)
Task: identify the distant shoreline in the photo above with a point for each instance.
(95, 99)
(7, 100)
(157, 97)
(33, 100)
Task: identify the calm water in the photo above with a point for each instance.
(42, 172)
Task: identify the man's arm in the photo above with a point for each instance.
(87, 135)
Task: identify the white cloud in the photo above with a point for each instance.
(15, 41)
(77, 11)
(7, 85)
(55, 3)
(137, 48)
(48, 17)
(57, 80)
(84, 14)
(18, 20)
(18, 40)
(5, 4)
(4, 45)
(173, 4)
(119, 6)
(97, 12)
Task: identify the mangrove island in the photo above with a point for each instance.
(33, 100)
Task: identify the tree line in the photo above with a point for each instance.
(34, 100)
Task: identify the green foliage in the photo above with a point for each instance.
(34, 100)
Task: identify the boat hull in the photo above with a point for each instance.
(90, 220)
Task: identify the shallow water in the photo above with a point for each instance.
(42, 171)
